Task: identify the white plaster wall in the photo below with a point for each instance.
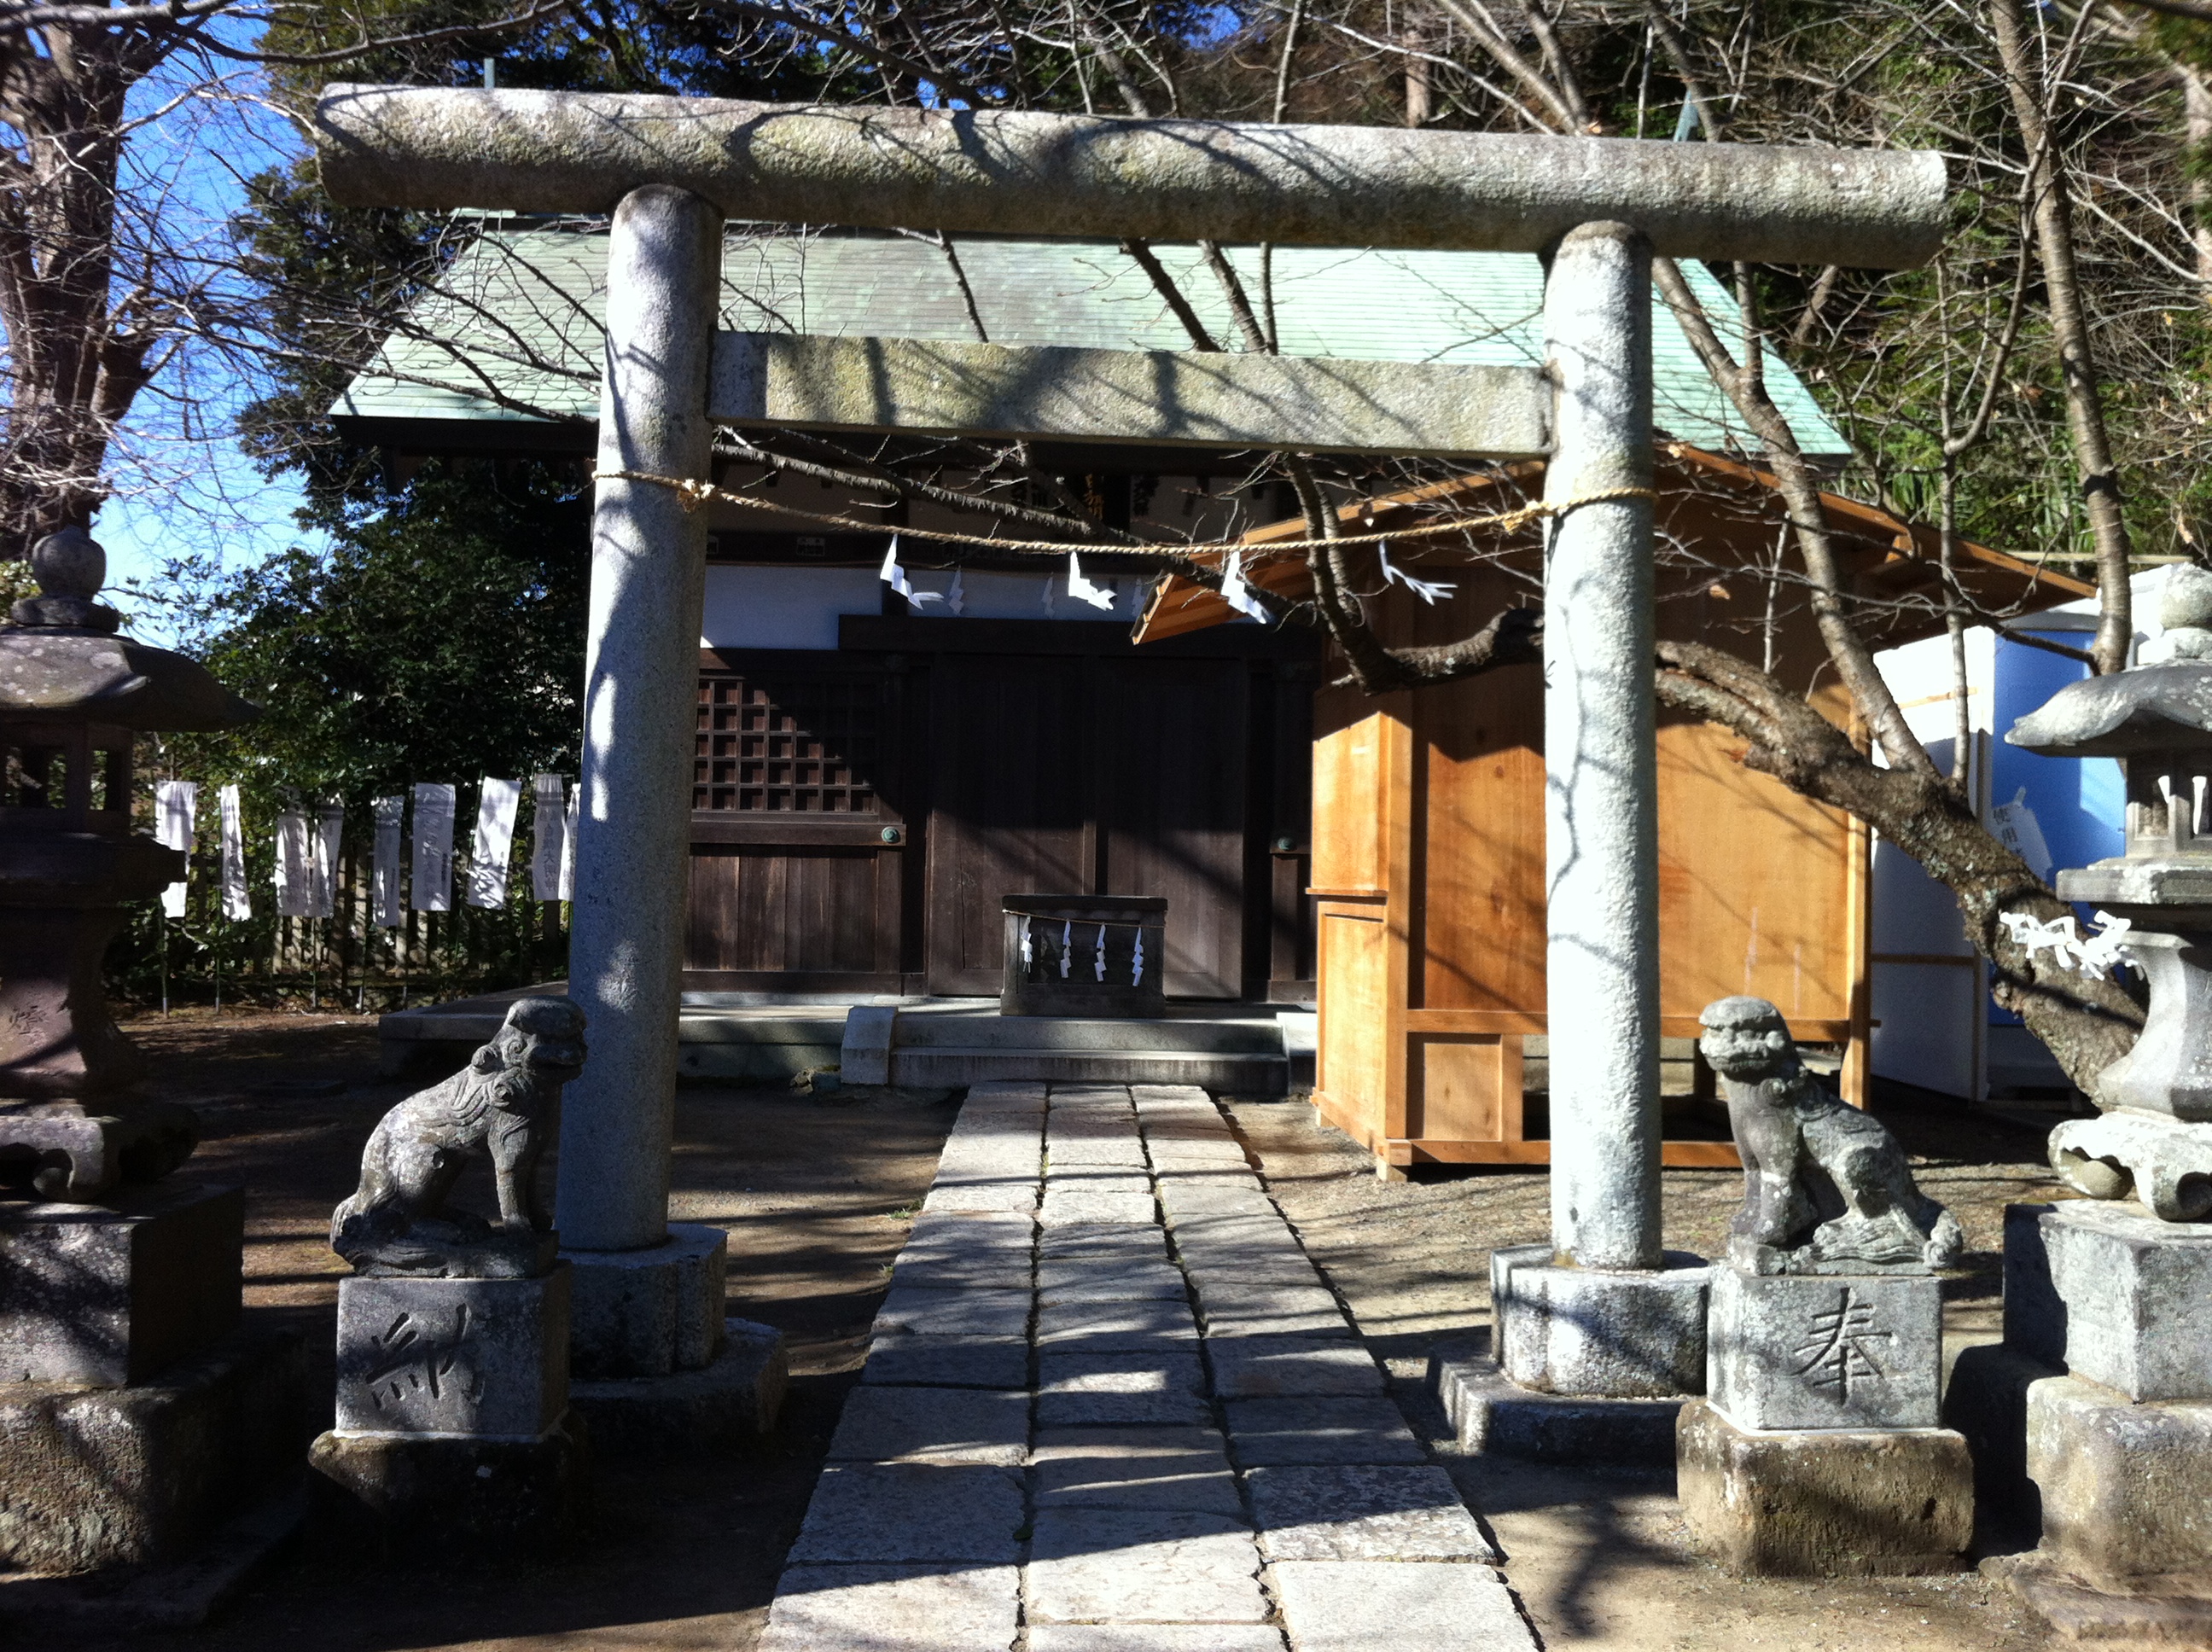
(751, 607)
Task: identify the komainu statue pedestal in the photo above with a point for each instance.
(1818, 1450)
(453, 1430)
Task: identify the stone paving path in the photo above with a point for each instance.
(1111, 1407)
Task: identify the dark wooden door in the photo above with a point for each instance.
(1011, 756)
(1172, 803)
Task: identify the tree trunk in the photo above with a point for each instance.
(2051, 213)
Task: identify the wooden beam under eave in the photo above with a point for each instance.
(1209, 399)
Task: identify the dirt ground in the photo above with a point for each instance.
(817, 1195)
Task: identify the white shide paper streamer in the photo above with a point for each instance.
(494, 841)
(895, 576)
(569, 845)
(236, 902)
(432, 875)
(549, 829)
(176, 815)
(1098, 955)
(1082, 589)
(330, 827)
(1427, 590)
(295, 866)
(384, 894)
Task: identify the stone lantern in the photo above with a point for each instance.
(74, 697)
(2154, 1139)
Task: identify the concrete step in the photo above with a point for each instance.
(924, 1028)
(1239, 1074)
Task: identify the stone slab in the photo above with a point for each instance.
(2122, 1483)
(963, 1231)
(1252, 1311)
(1335, 1605)
(2080, 1613)
(1155, 1637)
(894, 1608)
(948, 1362)
(1824, 1502)
(91, 1293)
(1488, 1412)
(733, 1400)
(958, 1425)
(1136, 1326)
(1090, 1281)
(1009, 1196)
(646, 1313)
(974, 1313)
(1079, 1389)
(1097, 1179)
(183, 1594)
(1288, 1269)
(2113, 1294)
(1590, 1332)
(100, 1477)
(1249, 1367)
(1823, 1351)
(1138, 1564)
(1134, 1469)
(888, 1513)
(419, 1496)
(1110, 1245)
(1344, 1430)
(1062, 1209)
(1340, 1512)
(487, 1358)
(1181, 1198)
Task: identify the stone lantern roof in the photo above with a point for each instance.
(62, 661)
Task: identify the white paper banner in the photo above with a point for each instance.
(295, 866)
(176, 815)
(568, 843)
(384, 894)
(494, 842)
(236, 902)
(549, 833)
(330, 825)
(431, 876)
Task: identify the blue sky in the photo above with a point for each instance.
(181, 486)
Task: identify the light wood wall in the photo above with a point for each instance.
(1428, 876)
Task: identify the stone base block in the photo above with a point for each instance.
(1489, 1412)
(648, 1313)
(2126, 1488)
(409, 1494)
(1987, 1402)
(1824, 1502)
(1853, 1351)
(1600, 1334)
(482, 1358)
(734, 1401)
(94, 1477)
(91, 1293)
(2114, 1295)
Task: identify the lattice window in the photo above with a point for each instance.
(807, 747)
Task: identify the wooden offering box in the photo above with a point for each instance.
(1069, 939)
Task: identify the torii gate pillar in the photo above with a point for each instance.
(645, 1303)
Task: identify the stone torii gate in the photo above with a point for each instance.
(669, 169)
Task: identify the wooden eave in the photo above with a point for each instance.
(1881, 554)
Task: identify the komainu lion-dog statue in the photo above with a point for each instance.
(1826, 1188)
(504, 1105)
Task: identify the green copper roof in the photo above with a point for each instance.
(515, 333)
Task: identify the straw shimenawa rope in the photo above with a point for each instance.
(693, 493)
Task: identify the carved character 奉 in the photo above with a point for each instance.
(503, 1105)
(1826, 1188)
